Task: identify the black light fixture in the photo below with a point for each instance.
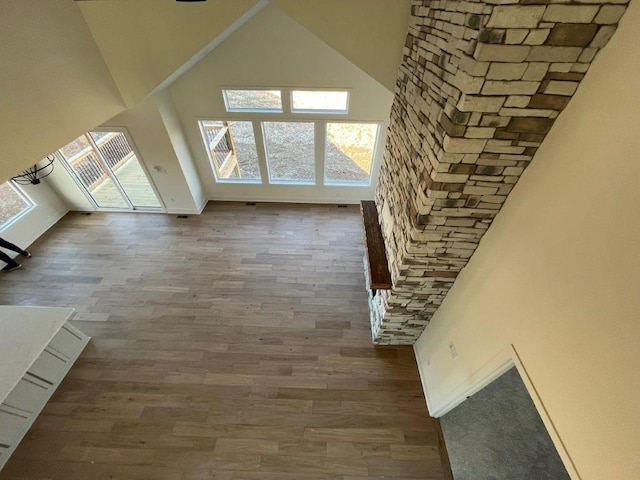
(33, 174)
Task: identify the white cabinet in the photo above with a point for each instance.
(48, 367)
(12, 423)
(49, 346)
(28, 395)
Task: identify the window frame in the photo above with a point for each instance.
(26, 198)
(318, 111)
(320, 149)
(230, 109)
(62, 159)
(212, 162)
(374, 155)
(316, 145)
(286, 101)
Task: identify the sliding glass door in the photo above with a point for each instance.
(109, 171)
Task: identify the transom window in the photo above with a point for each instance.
(297, 101)
(314, 101)
(13, 203)
(291, 152)
(252, 100)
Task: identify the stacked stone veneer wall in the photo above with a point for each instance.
(479, 87)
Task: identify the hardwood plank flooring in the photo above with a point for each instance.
(233, 345)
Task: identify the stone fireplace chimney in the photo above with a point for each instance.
(479, 87)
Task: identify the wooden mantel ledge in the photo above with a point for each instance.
(379, 275)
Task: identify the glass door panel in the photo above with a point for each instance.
(290, 148)
(121, 160)
(81, 158)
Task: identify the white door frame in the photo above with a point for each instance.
(87, 194)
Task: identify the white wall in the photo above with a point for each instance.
(558, 276)
(145, 41)
(48, 209)
(370, 33)
(272, 50)
(67, 189)
(54, 82)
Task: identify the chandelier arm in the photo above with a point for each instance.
(33, 174)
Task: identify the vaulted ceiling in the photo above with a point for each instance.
(70, 66)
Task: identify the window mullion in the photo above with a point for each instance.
(320, 128)
(286, 100)
(261, 150)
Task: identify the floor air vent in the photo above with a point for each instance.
(183, 216)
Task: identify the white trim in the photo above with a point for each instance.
(377, 148)
(292, 181)
(320, 142)
(203, 205)
(320, 150)
(118, 210)
(287, 199)
(230, 109)
(261, 151)
(482, 377)
(83, 188)
(318, 111)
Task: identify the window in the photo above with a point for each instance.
(314, 101)
(13, 203)
(290, 136)
(290, 150)
(296, 101)
(302, 153)
(231, 147)
(349, 151)
(252, 100)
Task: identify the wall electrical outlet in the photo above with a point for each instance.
(452, 349)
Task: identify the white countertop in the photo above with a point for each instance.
(24, 333)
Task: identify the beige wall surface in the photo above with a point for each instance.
(558, 275)
(54, 84)
(145, 41)
(178, 140)
(370, 33)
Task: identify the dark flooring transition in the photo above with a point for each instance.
(497, 434)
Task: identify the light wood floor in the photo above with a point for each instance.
(231, 345)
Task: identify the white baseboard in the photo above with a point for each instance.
(260, 199)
